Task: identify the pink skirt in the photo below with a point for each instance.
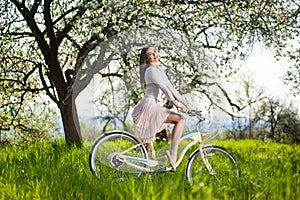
(148, 118)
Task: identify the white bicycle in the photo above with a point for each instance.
(120, 152)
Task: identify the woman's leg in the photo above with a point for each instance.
(179, 122)
(148, 148)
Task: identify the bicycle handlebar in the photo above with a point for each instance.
(196, 113)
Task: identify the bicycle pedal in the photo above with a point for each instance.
(169, 169)
(172, 170)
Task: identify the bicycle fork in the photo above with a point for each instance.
(206, 162)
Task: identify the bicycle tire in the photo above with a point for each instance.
(226, 168)
(103, 162)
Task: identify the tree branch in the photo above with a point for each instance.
(11, 80)
(63, 34)
(111, 74)
(28, 74)
(228, 98)
(15, 114)
(29, 17)
(22, 34)
(49, 25)
(35, 6)
(52, 97)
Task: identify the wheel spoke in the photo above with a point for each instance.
(224, 166)
(107, 155)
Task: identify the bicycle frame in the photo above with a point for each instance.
(195, 138)
(150, 165)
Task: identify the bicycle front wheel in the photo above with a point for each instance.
(105, 161)
(224, 165)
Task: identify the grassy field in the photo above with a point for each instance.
(52, 170)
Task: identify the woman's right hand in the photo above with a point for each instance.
(183, 109)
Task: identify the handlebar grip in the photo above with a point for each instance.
(193, 113)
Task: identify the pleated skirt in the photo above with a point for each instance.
(148, 118)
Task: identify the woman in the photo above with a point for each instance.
(149, 116)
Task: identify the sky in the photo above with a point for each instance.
(267, 73)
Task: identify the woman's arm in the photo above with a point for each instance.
(159, 78)
(186, 107)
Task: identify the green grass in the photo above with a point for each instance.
(53, 170)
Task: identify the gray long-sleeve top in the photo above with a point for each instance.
(155, 79)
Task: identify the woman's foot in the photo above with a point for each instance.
(171, 161)
(148, 177)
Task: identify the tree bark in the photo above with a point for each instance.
(70, 122)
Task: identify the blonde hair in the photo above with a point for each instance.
(144, 64)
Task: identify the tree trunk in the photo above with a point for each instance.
(70, 122)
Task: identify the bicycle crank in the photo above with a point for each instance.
(115, 160)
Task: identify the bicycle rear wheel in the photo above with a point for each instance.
(104, 156)
(224, 164)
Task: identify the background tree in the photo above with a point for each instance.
(292, 78)
(248, 96)
(25, 112)
(280, 121)
(47, 40)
